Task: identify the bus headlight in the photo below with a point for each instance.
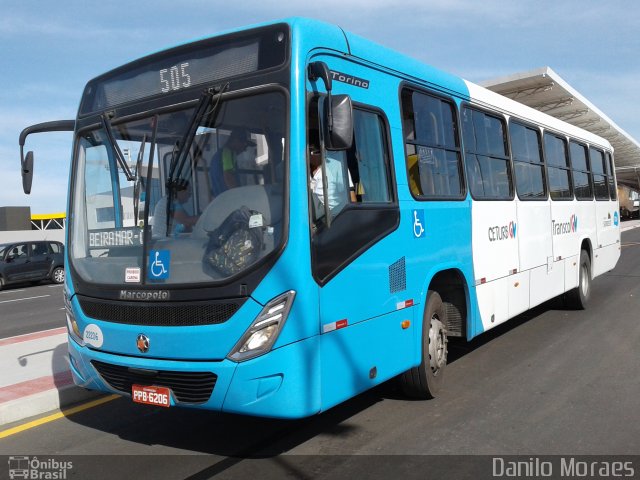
(72, 325)
(264, 330)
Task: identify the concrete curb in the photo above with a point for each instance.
(43, 402)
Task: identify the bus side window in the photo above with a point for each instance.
(558, 168)
(432, 146)
(581, 171)
(370, 164)
(486, 155)
(528, 161)
(612, 182)
(599, 174)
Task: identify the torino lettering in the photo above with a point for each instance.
(350, 79)
(505, 232)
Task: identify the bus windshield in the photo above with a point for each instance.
(200, 202)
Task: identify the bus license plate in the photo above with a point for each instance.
(158, 396)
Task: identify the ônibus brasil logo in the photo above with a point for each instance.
(567, 227)
(502, 233)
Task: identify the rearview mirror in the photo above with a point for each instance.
(338, 122)
(26, 163)
(27, 173)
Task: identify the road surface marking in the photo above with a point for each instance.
(26, 298)
(57, 416)
(11, 291)
(55, 286)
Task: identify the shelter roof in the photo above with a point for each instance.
(544, 90)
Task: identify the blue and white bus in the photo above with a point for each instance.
(204, 271)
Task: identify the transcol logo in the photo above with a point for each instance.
(502, 233)
(567, 227)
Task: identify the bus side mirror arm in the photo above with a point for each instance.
(26, 163)
(338, 115)
(320, 70)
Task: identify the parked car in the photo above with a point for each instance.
(31, 262)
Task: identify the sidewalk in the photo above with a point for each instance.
(35, 376)
(629, 225)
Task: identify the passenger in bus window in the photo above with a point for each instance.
(336, 184)
(223, 171)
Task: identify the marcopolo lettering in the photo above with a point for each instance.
(145, 295)
(504, 232)
(349, 79)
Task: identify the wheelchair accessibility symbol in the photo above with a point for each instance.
(418, 223)
(159, 261)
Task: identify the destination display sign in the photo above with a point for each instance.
(119, 237)
(200, 63)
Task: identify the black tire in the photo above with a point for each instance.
(578, 298)
(425, 380)
(624, 213)
(1, 283)
(57, 275)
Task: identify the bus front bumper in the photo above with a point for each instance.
(284, 383)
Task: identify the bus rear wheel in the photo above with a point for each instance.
(578, 298)
(425, 380)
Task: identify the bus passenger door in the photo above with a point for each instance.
(361, 339)
(536, 251)
(534, 214)
(346, 254)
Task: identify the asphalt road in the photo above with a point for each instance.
(550, 382)
(27, 308)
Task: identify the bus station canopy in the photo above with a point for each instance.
(544, 90)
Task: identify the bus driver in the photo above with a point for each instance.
(336, 185)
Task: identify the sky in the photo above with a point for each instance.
(49, 50)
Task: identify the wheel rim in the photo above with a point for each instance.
(437, 345)
(584, 280)
(58, 275)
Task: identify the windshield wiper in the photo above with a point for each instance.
(106, 124)
(138, 181)
(181, 153)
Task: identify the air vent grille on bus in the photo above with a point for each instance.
(187, 387)
(160, 314)
(397, 276)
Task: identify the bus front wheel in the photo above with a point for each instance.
(425, 380)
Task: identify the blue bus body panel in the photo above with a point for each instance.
(360, 356)
(282, 384)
